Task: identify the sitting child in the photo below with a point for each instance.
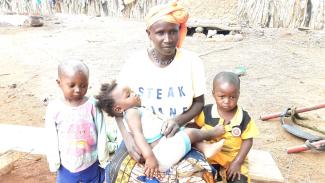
(239, 126)
(159, 152)
(77, 142)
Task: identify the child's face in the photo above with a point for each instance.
(226, 96)
(124, 98)
(74, 85)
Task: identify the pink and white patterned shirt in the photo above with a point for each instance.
(77, 136)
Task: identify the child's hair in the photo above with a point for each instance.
(227, 77)
(72, 66)
(105, 100)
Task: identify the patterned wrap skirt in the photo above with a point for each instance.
(192, 168)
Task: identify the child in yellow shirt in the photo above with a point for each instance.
(240, 128)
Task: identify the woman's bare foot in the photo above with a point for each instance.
(210, 149)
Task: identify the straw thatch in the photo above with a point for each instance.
(253, 13)
(282, 13)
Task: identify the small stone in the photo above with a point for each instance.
(36, 21)
(210, 39)
(199, 29)
(219, 38)
(14, 85)
(45, 101)
(219, 35)
(229, 38)
(211, 33)
(285, 34)
(199, 35)
(240, 71)
(238, 37)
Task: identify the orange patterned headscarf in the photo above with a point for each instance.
(172, 13)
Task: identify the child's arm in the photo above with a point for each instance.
(199, 122)
(134, 123)
(233, 171)
(102, 144)
(132, 148)
(52, 149)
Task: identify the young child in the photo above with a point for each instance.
(239, 126)
(77, 141)
(159, 152)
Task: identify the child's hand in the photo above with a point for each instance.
(151, 167)
(220, 130)
(233, 172)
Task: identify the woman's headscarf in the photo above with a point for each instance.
(172, 13)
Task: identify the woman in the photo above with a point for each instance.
(171, 81)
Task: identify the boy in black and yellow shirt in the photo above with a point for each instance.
(240, 128)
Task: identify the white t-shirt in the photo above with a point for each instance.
(169, 90)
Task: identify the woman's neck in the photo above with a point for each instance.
(161, 60)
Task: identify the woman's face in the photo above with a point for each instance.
(164, 36)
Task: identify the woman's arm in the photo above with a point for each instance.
(172, 126)
(129, 141)
(194, 110)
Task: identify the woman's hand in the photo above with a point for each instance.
(151, 167)
(169, 128)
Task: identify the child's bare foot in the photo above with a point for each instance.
(210, 150)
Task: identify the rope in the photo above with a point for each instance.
(311, 146)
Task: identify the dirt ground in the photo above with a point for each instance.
(285, 68)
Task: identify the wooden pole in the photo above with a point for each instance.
(298, 110)
(304, 147)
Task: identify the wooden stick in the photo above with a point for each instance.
(215, 50)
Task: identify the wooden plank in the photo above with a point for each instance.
(23, 138)
(263, 168)
(7, 159)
